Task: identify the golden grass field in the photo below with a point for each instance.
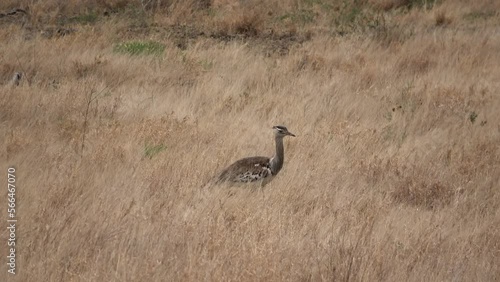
(394, 175)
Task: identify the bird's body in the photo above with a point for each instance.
(247, 170)
(258, 168)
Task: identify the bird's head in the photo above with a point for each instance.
(281, 131)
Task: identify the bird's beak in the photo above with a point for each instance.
(291, 134)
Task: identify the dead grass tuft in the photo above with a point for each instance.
(425, 195)
(387, 5)
(441, 18)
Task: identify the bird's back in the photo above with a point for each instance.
(247, 170)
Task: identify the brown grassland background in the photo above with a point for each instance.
(126, 109)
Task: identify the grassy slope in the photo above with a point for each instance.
(394, 174)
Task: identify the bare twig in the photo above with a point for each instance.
(23, 72)
(90, 99)
(13, 12)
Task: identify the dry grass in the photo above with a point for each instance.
(394, 175)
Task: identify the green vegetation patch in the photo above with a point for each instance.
(140, 48)
(302, 16)
(87, 18)
(352, 17)
(479, 15)
(472, 117)
(151, 150)
(428, 4)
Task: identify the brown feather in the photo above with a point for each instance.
(253, 165)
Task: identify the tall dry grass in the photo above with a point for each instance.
(394, 175)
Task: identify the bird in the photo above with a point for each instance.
(253, 169)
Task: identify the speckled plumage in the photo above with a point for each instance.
(247, 170)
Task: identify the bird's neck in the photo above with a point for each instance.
(279, 157)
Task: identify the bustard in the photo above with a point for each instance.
(258, 168)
